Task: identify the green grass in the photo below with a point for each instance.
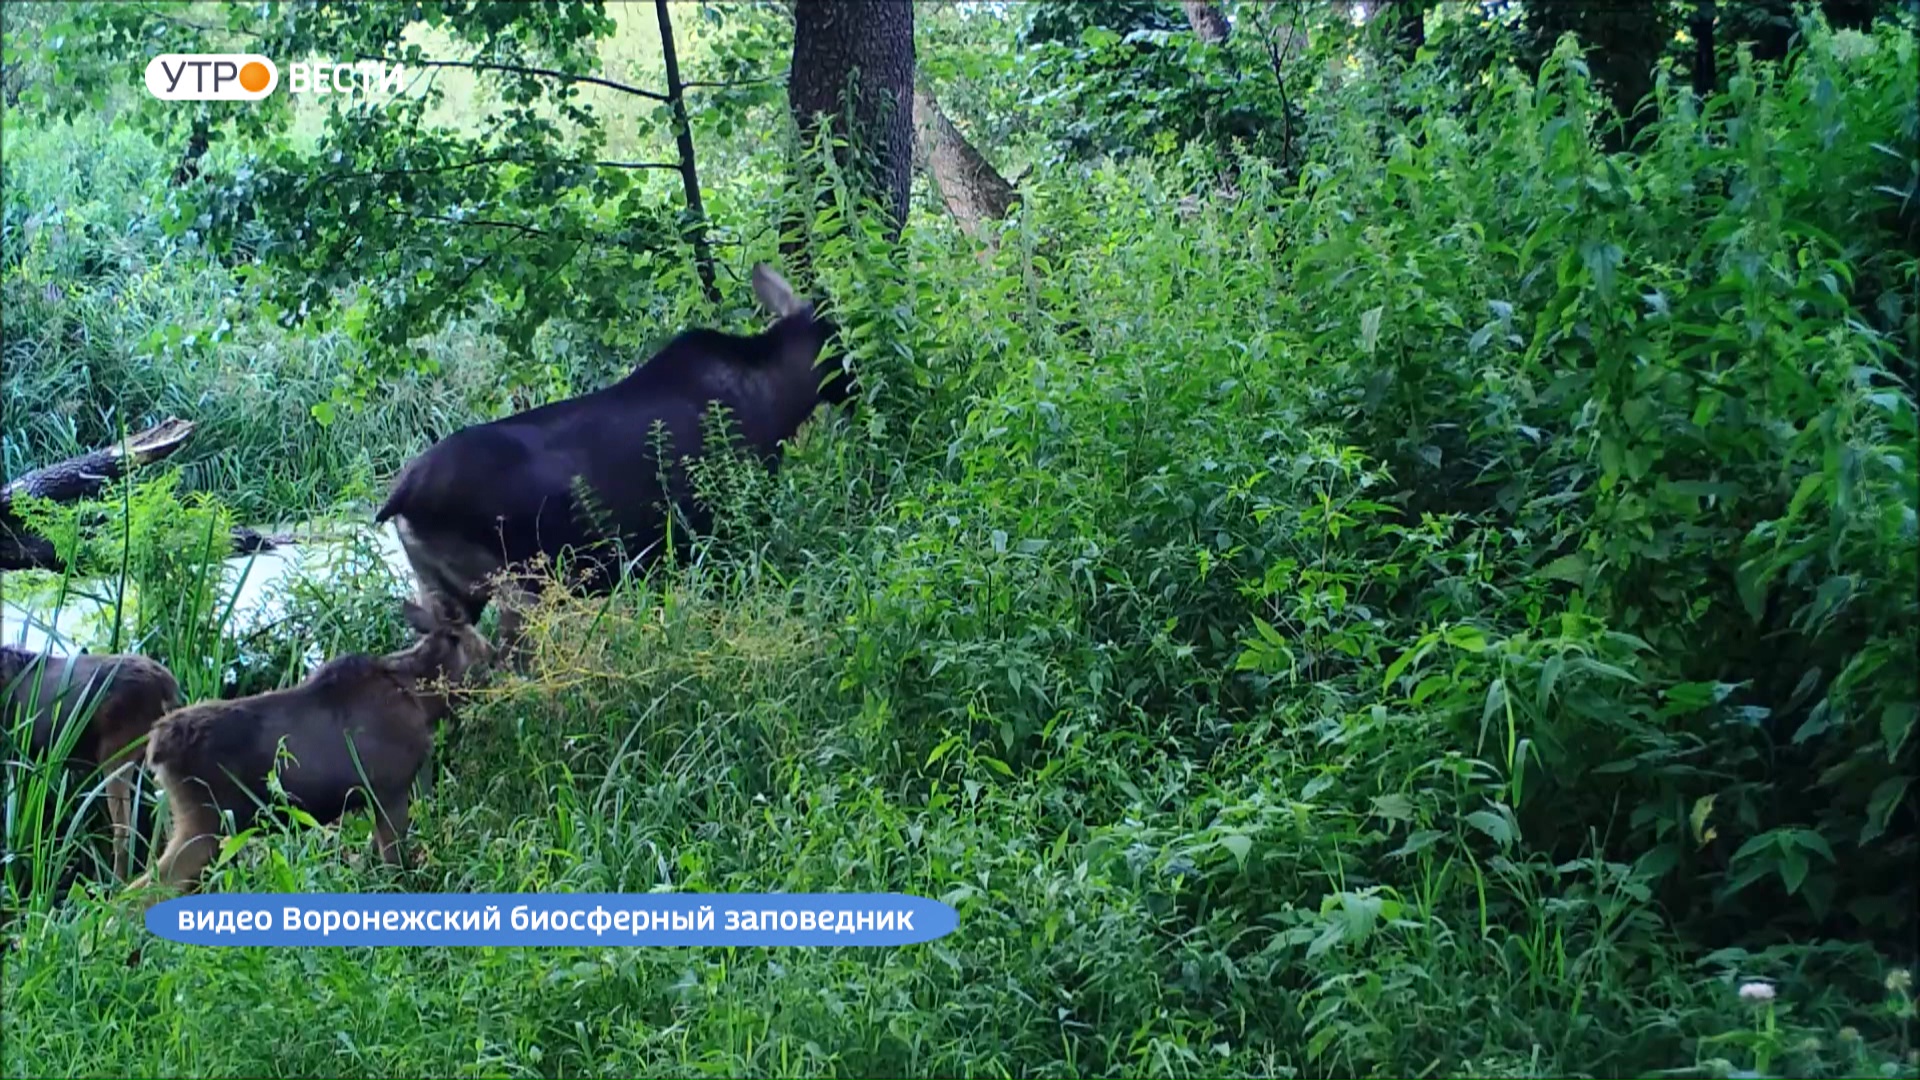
(1357, 627)
(112, 327)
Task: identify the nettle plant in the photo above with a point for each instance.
(155, 561)
(1664, 392)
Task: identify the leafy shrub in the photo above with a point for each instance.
(1358, 623)
(160, 561)
(112, 323)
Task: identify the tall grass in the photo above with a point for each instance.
(111, 324)
(1363, 626)
(46, 807)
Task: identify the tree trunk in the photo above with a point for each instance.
(189, 168)
(1407, 33)
(86, 476)
(1622, 42)
(683, 140)
(1704, 75)
(1208, 23)
(863, 48)
(971, 188)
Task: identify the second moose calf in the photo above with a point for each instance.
(358, 723)
(117, 698)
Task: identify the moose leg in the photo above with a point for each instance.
(514, 594)
(390, 824)
(448, 567)
(120, 814)
(195, 839)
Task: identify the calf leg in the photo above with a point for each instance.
(120, 813)
(514, 594)
(196, 837)
(390, 825)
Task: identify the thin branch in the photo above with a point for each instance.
(476, 163)
(564, 263)
(425, 171)
(713, 84)
(521, 69)
(155, 13)
(477, 65)
(683, 141)
(460, 286)
(485, 223)
(516, 69)
(524, 230)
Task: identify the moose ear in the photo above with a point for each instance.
(774, 292)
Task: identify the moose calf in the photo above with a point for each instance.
(117, 698)
(358, 723)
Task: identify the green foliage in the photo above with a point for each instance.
(110, 324)
(162, 558)
(1115, 80)
(1444, 606)
(1684, 416)
(514, 218)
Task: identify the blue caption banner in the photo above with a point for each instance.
(552, 919)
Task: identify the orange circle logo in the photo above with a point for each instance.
(253, 77)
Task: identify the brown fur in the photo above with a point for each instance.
(356, 716)
(127, 695)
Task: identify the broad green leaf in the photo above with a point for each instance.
(1880, 806)
(1813, 841)
(1417, 842)
(1896, 723)
(1568, 568)
(1370, 329)
(1467, 638)
(1494, 825)
(1702, 808)
(1394, 806)
(1793, 871)
(1657, 862)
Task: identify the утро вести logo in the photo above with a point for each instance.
(251, 77)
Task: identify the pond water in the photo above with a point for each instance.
(257, 583)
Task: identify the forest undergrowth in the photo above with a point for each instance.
(1447, 610)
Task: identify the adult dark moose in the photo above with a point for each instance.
(498, 496)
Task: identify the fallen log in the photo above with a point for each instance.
(23, 550)
(87, 475)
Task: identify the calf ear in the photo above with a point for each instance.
(419, 618)
(449, 613)
(774, 292)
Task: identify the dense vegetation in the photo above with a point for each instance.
(1374, 569)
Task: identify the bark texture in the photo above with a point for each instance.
(972, 189)
(683, 142)
(868, 44)
(1704, 73)
(84, 476)
(1207, 21)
